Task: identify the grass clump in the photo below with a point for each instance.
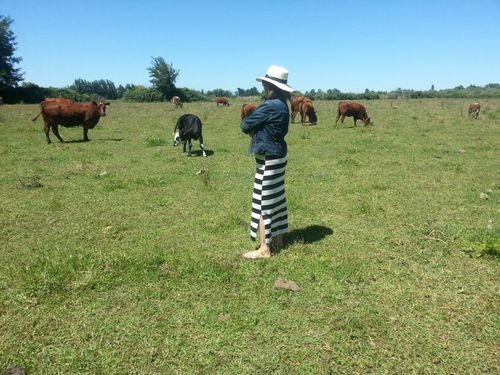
(154, 140)
(32, 181)
(480, 243)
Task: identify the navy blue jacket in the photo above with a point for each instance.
(269, 122)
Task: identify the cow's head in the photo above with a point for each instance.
(313, 117)
(366, 121)
(101, 107)
(177, 138)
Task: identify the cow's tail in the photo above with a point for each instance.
(36, 117)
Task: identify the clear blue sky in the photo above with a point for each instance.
(348, 45)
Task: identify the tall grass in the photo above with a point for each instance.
(127, 258)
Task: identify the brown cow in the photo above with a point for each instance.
(222, 101)
(57, 111)
(474, 109)
(176, 101)
(246, 110)
(352, 109)
(58, 100)
(295, 105)
(307, 109)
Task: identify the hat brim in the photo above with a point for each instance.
(281, 86)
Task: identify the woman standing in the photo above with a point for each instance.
(267, 126)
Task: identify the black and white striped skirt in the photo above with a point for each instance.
(269, 200)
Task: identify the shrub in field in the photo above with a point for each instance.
(483, 242)
(153, 140)
(29, 182)
(70, 94)
(189, 95)
(31, 93)
(143, 94)
(27, 93)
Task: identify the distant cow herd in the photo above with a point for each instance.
(67, 113)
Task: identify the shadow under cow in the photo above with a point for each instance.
(96, 140)
(76, 141)
(200, 153)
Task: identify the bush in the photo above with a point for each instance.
(31, 93)
(479, 243)
(189, 95)
(27, 93)
(143, 94)
(53, 92)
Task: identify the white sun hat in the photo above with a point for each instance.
(278, 76)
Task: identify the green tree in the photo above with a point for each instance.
(9, 75)
(163, 76)
(103, 88)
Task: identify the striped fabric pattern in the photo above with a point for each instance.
(269, 200)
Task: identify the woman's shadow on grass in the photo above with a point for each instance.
(307, 235)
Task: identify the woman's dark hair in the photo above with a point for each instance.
(276, 93)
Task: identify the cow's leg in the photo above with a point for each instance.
(46, 129)
(184, 146)
(85, 134)
(354, 121)
(55, 130)
(338, 116)
(189, 147)
(342, 118)
(202, 148)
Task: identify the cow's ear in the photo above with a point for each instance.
(94, 102)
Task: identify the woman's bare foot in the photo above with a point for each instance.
(261, 252)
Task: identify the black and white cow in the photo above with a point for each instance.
(188, 127)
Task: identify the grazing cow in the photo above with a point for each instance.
(65, 112)
(222, 101)
(188, 127)
(474, 109)
(246, 110)
(295, 103)
(176, 101)
(306, 109)
(352, 109)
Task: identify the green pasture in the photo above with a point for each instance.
(117, 257)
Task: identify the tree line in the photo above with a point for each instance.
(163, 77)
(491, 90)
(82, 91)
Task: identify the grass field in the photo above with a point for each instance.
(117, 257)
